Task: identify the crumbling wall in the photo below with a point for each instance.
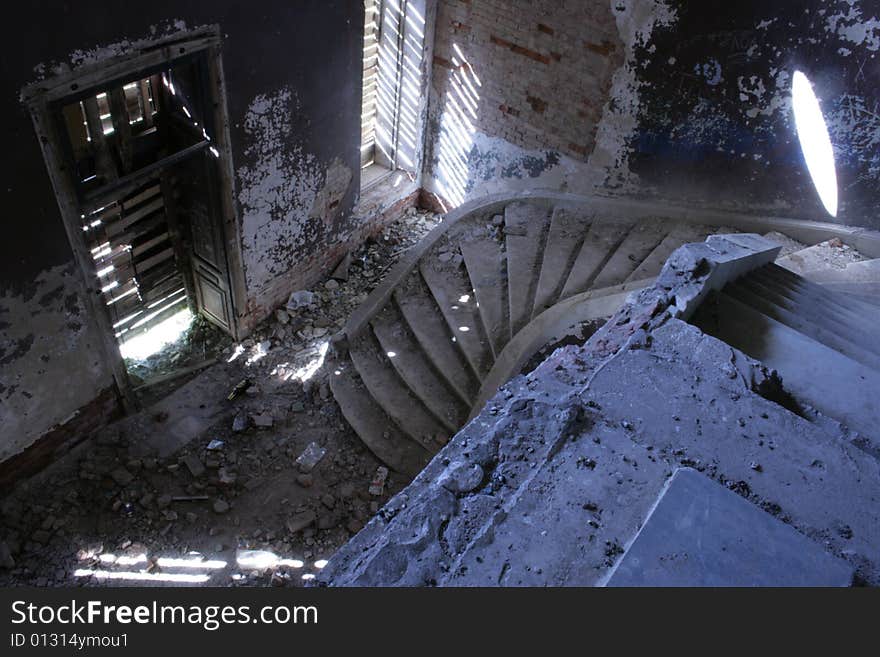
(662, 99)
(290, 69)
(534, 95)
(715, 120)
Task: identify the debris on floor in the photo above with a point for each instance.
(264, 496)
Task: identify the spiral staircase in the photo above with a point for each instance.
(496, 282)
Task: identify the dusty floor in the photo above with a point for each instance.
(234, 506)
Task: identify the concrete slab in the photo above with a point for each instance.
(701, 534)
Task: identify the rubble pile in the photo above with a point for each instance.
(271, 491)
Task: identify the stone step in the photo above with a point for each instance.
(525, 230)
(865, 271)
(568, 227)
(798, 285)
(836, 335)
(452, 291)
(637, 246)
(487, 270)
(394, 396)
(598, 247)
(428, 326)
(831, 382)
(811, 304)
(866, 292)
(413, 366)
(679, 234)
(375, 429)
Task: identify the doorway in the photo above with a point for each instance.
(137, 150)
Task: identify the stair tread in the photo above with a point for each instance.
(864, 271)
(568, 227)
(392, 394)
(487, 271)
(679, 234)
(375, 429)
(847, 340)
(449, 287)
(429, 327)
(413, 366)
(832, 382)
(633, 250)
(525, 227)
(799, 285)
(599, 243)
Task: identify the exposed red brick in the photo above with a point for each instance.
(538, 104)
(506, 109)
(445, 63)
(577, 148)
(458, 26)
(605, 48)
(519, 50)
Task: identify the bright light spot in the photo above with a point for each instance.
(815, 142)
(464, 298)
(257, 559)
(214, 151)
(178, 578)
(109, 287)
(161, 335)
(192, 562)
(311, 367)
(239, 350)
(263, 559)
(308, 576)
(106, 270)
(463, 329)
(392, 354)
(320, 563)
(258, 351)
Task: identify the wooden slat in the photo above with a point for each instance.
(152, 261)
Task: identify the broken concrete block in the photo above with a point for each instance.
(263, 420)
(300, 521)
(194, 465)
(240, 423)
(310, 457)
(300, 299)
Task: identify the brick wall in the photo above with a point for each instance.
(545, 67)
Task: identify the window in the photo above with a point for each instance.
(393, 51)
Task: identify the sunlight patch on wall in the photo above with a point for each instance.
(457, 128)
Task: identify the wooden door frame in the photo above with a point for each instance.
(42, 97)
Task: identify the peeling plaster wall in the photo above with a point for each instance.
(715, 117)
(556, 94)
(51, 362)
(293, 76)
(697, 111)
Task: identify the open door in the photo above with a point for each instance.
(197, 211)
